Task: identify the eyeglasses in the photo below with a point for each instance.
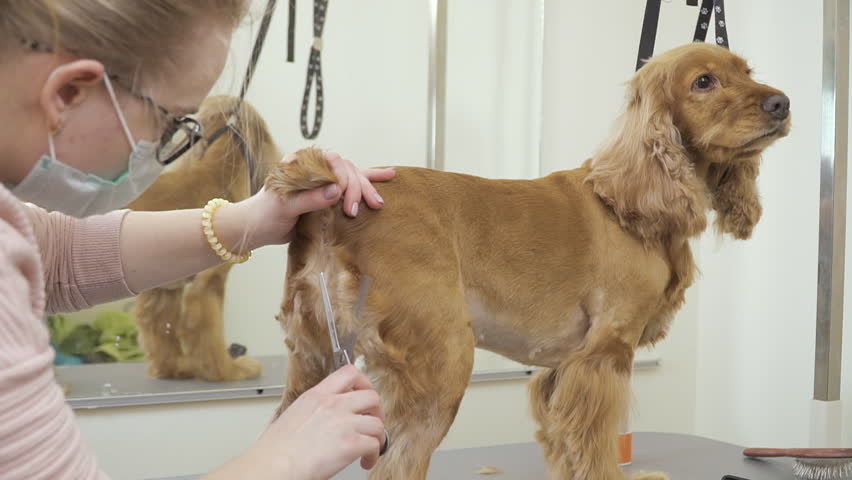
(181, 132)
(181, 135)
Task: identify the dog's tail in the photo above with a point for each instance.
(309, 170)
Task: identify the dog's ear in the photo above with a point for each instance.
(643, 171)
(735, 196)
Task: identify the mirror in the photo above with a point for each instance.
(375, 67)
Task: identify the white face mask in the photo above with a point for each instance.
(54, 185)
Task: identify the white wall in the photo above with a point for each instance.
(757, 300)
(737, 365)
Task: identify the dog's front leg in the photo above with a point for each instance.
(541, 388)
(202, 331)
(587, 398)
(157, 313)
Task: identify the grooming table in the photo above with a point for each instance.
(683, 457)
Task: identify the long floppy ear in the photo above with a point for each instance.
(643, 171)
(735, 197)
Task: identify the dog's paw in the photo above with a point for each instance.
(173, 370)
(246, 367)
(650, 476)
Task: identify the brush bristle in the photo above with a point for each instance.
(823, 469)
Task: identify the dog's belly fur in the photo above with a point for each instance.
(504, 334)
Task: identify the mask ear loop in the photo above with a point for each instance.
(52, 132)
(121, 119)
(51, 146)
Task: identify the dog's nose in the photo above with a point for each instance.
(778, 106)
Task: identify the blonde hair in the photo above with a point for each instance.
(129, 37)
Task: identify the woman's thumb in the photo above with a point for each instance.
(316, 199)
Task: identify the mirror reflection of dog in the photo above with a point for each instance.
(181, 325)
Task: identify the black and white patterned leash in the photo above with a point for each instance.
(230, 126)
(314, 76)
(708, 8)
(652, 17)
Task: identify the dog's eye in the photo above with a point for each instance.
(704, 83)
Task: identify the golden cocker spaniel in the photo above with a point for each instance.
(571, 272)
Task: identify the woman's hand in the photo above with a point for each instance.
(267, 219)
(326, 429)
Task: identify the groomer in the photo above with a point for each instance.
(91, 92)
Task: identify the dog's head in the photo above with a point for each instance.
(691, 138)
(722, 114)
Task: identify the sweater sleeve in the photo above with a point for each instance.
(39, 438)
(81, 258)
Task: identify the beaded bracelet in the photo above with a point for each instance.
(210, 234)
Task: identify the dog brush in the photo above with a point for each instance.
(812, 463)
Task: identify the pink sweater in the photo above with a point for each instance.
(48, 263)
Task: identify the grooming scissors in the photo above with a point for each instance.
(340, 356)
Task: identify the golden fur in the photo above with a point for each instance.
(571, 272)
(181, 325)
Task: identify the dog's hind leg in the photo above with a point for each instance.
(309, 358)
(157, 313)
(202, 331)
(305, 369)
(421, 365)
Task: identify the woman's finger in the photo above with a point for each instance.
(352, 196)
(378, 174)
(344, 379)
(312, 200)
(371, 426)
(363, 402)
(371, 196)
(340, 168)
(370, 446)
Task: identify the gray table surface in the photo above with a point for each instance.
(682, 457)
(128, 384)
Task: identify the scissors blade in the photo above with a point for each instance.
(339, 355)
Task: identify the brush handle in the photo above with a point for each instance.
(799, 452)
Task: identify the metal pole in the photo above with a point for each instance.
(437, 84)
(832, 206)
(541, 72)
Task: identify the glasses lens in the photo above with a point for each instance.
(178, 139)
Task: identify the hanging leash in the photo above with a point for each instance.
(708, 8)
(649, 32)
(291, 31)
(257, 48)
(314, 77)
(230, 125)
(652, 18)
